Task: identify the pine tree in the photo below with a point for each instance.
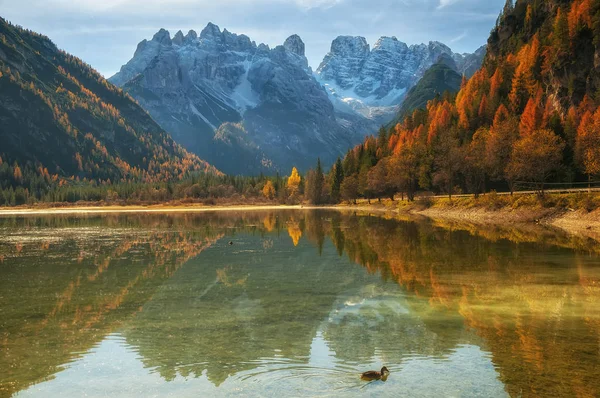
(560, 36)
(314, 184)
(338, 178)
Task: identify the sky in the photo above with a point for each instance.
(105, 33)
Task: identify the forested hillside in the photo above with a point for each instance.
(62, 123)
(529, 116)
(438, 80)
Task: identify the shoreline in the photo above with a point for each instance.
(578, 222)
(118, 209)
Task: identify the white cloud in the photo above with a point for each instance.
(310, 4)
(458, 38)
(445, 3)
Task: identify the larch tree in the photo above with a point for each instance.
(378, 180)
(18, 174)
(268, 190)
(404, 170)
(531, 118)
(587, 146)
(293, 183)
(448, 161)
(535, 157)
(474, 166)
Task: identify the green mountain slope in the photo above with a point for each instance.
(61, 121)
(440, 78)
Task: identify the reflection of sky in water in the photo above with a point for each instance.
(124, 312)
(113, 368)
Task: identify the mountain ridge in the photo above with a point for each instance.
(62, 122)
(220, 77)
(193, 84)
(359, 78)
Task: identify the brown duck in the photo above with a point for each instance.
(375, 375)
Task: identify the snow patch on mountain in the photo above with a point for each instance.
(358, 78)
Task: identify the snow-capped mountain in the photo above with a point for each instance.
(192, 85)
(248, 108)
(373, 82)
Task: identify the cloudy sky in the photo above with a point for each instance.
(104, 33)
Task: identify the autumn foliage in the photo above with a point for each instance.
(529, 116)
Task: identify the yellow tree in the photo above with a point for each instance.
(293, 182)
(269, 190)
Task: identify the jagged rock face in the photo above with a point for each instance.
(374, 82)
(192, 85)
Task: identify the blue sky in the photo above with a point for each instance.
(104, 33)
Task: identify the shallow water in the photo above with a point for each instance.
(299, 305)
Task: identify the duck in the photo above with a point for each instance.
(230, 243)
(375, 375)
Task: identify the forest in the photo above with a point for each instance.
(528, 118)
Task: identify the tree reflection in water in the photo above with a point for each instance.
(191, 305)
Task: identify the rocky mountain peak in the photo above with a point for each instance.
(211, 31)
(140, 47)
(178, 38)
(194, 88)
(162, 36)
(391, 44)
(294, 44)
(191, 36)
(436, 45)
(371, 82)
(354, 46)
(447, 60)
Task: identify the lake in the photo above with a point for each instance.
(294, 303)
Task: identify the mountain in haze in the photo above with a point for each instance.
(192, 85)
(373, 82)
(60, 119)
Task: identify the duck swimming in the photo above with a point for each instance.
(375, 375)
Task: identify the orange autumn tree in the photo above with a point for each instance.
(588, 144)
(530, 120)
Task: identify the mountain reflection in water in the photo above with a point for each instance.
(301, 304)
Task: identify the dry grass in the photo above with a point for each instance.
(492, 201)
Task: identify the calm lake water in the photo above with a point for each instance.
(299, 305)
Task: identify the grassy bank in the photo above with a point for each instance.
(576, 213)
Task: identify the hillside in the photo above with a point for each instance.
(528, 117)
(438, 79)
(63, 123)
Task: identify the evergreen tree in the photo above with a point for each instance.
(338, 178)
(314, 184)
